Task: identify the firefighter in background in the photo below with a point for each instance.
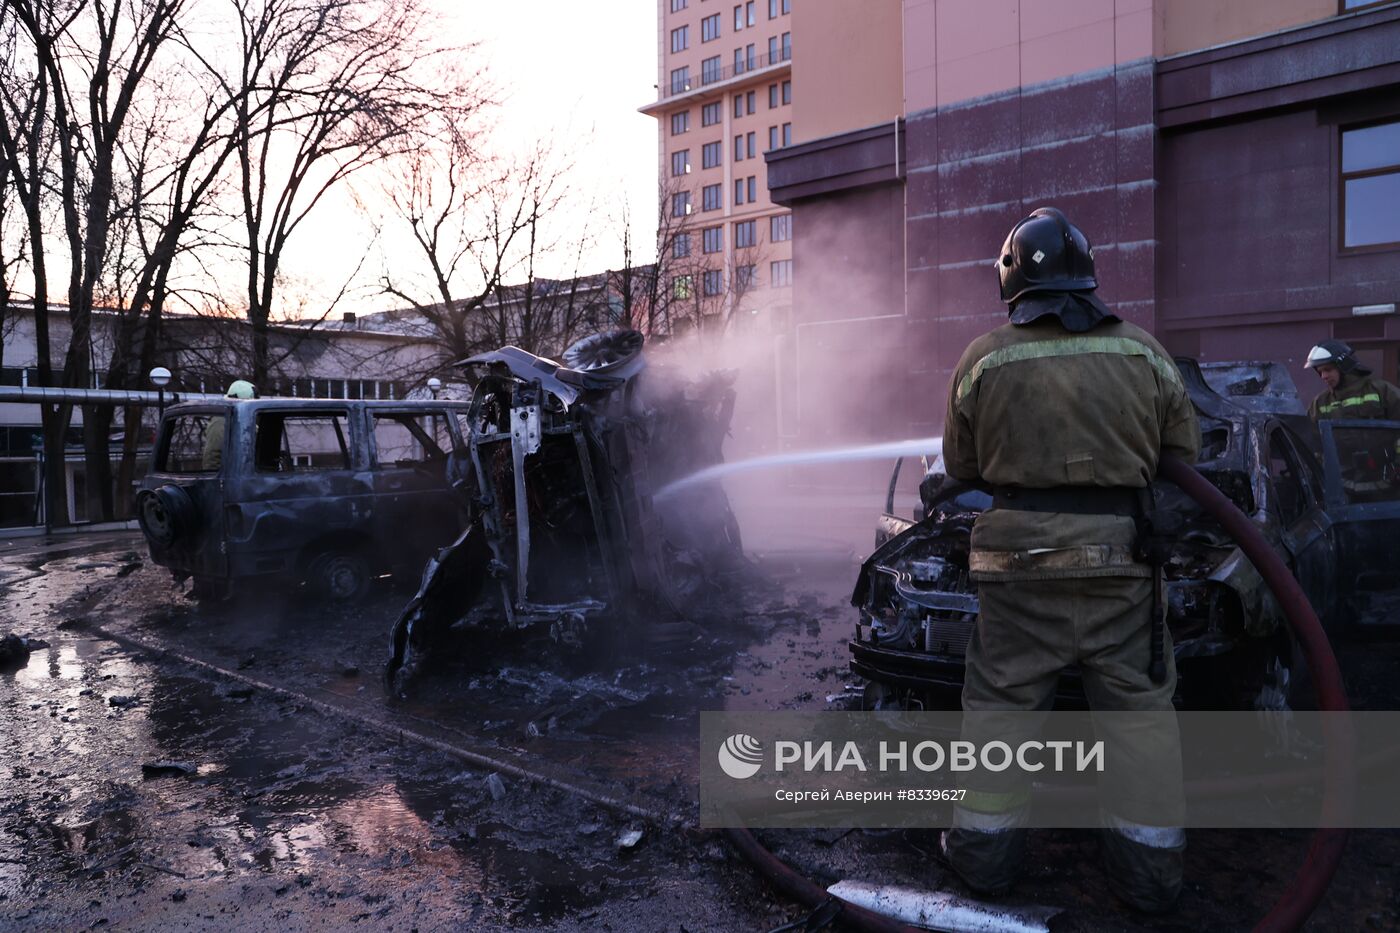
(1063, 413)
(213, 457)
(1352, 393)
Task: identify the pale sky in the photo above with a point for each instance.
(567, 70)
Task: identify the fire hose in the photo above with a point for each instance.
(1325, 848)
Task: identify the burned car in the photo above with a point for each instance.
(302, 490)
(1328, 500)
(563, 530)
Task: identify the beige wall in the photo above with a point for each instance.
(1187, 25)
(959, 49)
(849, 69)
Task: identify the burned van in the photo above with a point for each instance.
(327, 492)
(568, 528)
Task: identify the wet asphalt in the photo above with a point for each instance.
(166, 765)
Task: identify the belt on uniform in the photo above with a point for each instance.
(1075, 500)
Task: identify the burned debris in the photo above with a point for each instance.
(561, 465)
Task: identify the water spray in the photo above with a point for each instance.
(925, 446)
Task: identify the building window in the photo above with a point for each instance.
(745, 277)
(787, 134)
(711, 198)
(752, 145)
(713, 239)
(680, 122)
(787, 92)
(1371, 185)
(749, 99)
(772, 137)
(680, 80)
(713, 282)
(709, 28)
(787, 45)
(780, 273)
(680, 246)
(745, 234)
(772, 96)
(780, 228)
(738, 17)
(787, 6)
(711, 70)
(710, 113)
(746, 190)
(680, 204)
(752, 13)
(680, 39)
(738, 147)
(678, 5)
(773, 50)
(681, 287)
(680, 162)
(743, 59)
(738, 106)
(711, 155)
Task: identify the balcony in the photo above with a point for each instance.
(714, 80)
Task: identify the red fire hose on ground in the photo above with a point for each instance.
(1325, 849)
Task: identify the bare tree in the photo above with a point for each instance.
(324, 89)
(88, 61)
(687, 289)
(482, 229)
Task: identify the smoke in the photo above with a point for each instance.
(821, 416)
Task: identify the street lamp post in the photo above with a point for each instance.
(160, 378)
(434, 384)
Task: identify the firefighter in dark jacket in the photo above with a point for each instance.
(1063, 413)
(1352, 393)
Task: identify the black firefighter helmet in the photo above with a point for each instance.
(1335, 353)
(1045, 253)
(1046, 267)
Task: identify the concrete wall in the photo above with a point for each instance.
(850, 71)
(1249, 246)
(1084, 145)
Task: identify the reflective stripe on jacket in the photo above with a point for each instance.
(1037, 406)
(1358, 398)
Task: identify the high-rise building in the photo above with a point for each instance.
(724, 98)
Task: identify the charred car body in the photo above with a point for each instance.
(562, 529)
(1328, 500)
(314, 490)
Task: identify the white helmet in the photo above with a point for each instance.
(241, 389)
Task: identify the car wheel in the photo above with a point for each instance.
(166, 514)
(339, 575)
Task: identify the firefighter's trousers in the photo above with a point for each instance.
(1027, 633)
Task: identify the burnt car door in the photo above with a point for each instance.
(889, 524)
(1294, 499)
(1361, 481)
(305, 493)
(415, 458)
(180, 506)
